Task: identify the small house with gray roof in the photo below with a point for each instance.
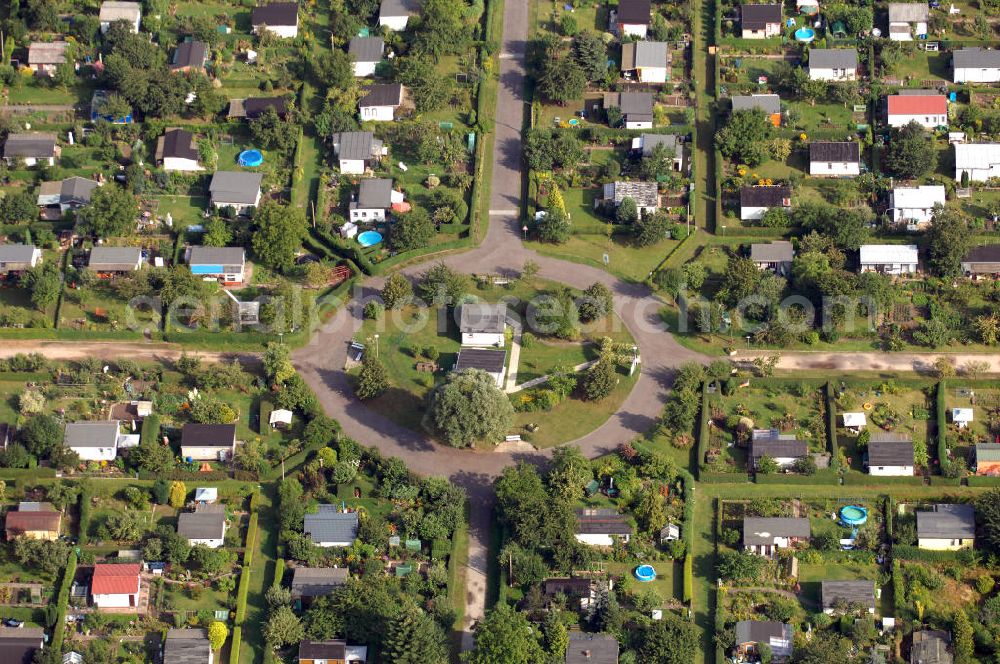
(766, 535)
(760, 21)
(983, 260)
(908, 20)
(591, 648)
(750, 634)
(93, 441)
(17, 258)
(646, 61)
(329, 527)
(235, 189)
(482, 324)
(280, 18)
(395, 14)
(357, 151)
(381, 101)
(187, 646)
(366, 53)
(68, 194)
(177, 150)
(833, 64)
(115, 10)
(206, 525)
(757, 200)
(309, 583)
(31, 148)
(644, 145)
(975, 65)
(931, 646)
(840, 596)
(189, 56)
(784, 449)
(890, 454)
(834, 159)
(45, 57)
(645, 195)
(375, 198)
(636, 108)
(223, 264)
(774, 256)
(111, 261)
(946, 527)
(770, 104)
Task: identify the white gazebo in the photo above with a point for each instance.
(855, 421)
(206, 495)
(961, 417)
(280, 418)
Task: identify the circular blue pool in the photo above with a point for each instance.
(852, 515)
(805, 35)
(369, 238)
(251, 158)
(645, 573)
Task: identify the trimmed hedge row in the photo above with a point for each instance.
(687, 532)
(898, 605)
(976, 480)
(62, 601)
(863, 479)
(820, 477)
(244, 588)
(723, 478)
(909, 552)
(890, 515)
(85, 501)
(703, 419)
(831, 427)
(942, 427)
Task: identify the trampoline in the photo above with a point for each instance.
(369, 238)
(852, 515)
(251, 158)
(645, 573)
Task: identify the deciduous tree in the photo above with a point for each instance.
(469, 408)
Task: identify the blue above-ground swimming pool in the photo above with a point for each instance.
(369, 238)
(852, 515)
(645, 573)
(805, 34)
(251, 158)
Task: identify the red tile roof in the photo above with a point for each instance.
(24, 522)
(918, 105)
(115, 579)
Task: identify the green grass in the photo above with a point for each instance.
(184, 210)
(667, 584)
(261, 575)
(923, 66)
(545, 356)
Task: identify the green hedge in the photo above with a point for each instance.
(899, 606)
(703, 429)
(279, 572)
(27, 474)
(820, 477)
(831, 427)
(688, 578)
(863, 479)
(890, 515)
(976, 480)
(62, 601)
(687, 532)
(723, 478)
(150, 432)
(234, 645)
(85, 501)
(909, 552)
(942, 427)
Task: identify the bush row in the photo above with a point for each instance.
(864, 479)
(942, 427)
(244, 588)
(909, 552)
(85, 502)
(62, 601)
(820, 477)
(831, 427)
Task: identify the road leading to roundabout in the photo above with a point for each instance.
(321, 362)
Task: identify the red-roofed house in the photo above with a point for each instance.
(929, 111)
(115, 586)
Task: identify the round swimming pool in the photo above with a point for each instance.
(645, 573)
(852, 515)
(251, 158)
(369, 238)
(805, 35)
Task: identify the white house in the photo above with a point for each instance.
(756, 201)
(279, 18)
(115, 586)
(31, 148)
(833, 64)
(784, 449)
(601, 526)
(927, 110)
(645, 144)
(915, 205)
(375, 198)
(381, 101)
(483, 324)
(979, 161)
(636, 108)
(889, 258)
(890, 455)
(206, 525)
(975, 65)
(764, 536)
(18, 258)
(490, 360)
(366, 53)
(395, 14)
(631, 18)
(946, 527)
(760, 21)
(44, 58)
(329, 527)
(646, 195)
(646, 61)
(235, 189)
(226, 265)
(112, 10)
(834, 159)
(908, 20)
(69, 194)
(962, 417)
(93, 441)
(177, 150)
(357, 151)
(208, 442)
